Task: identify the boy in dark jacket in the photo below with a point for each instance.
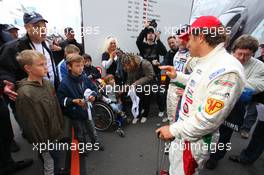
(71, 97)
(37, 107)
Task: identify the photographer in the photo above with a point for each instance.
(151, 50)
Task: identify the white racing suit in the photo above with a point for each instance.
(212, 89)
(179, 62)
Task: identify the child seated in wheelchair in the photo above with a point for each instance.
(113, 96)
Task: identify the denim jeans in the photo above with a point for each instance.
(116, 107)
(250, 117)
(48, 163)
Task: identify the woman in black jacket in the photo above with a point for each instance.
(111, 60)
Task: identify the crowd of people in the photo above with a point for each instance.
(51, 88)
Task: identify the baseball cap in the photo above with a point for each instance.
(183, 29)
(11, 26)
(203, 22)
(32, 18)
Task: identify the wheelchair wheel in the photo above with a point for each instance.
(103, 117)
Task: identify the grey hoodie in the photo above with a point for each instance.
(38, 111)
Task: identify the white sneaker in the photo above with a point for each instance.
(161, 114)
(134, 121)
(143, 120)
(165, 119)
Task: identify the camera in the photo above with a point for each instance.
(153, 23)
(119, 52)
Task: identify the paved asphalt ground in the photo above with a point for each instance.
(136, 154)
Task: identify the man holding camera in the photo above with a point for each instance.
(151, 50)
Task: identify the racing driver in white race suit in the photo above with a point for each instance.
(211, 91)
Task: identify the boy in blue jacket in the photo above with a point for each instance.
(71, 97)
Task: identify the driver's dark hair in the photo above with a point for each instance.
(213, 36)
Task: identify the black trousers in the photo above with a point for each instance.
(85, 129)
(6, 135)
(256, 145)
(236, 117)
(160, 94)
(144, 103)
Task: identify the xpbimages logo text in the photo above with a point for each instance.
(87, 30)
(147, 89)
(59, 146)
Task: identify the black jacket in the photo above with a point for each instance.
(168, 58)
(91, 70)
(150, 52)
(74, 42)
(59, 55)
(261, 59)
(112, 68)
(9, 67)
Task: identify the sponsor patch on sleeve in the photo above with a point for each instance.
(213, 105)
(225, 83)
(216, 73)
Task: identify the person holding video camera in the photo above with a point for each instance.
(151, 50)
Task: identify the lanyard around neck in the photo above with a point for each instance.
(34, 48)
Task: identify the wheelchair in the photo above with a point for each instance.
(105, 118)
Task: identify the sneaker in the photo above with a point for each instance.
(165, 119)
(122, 114)
(161, 114)
(120, 132)
(211, 164)
(237, 159)
(134, 121)
(142, 111)
(14, 146)
(16, 166)
(143, 120)
(99, 147)
(84, 153)
(244, 134)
